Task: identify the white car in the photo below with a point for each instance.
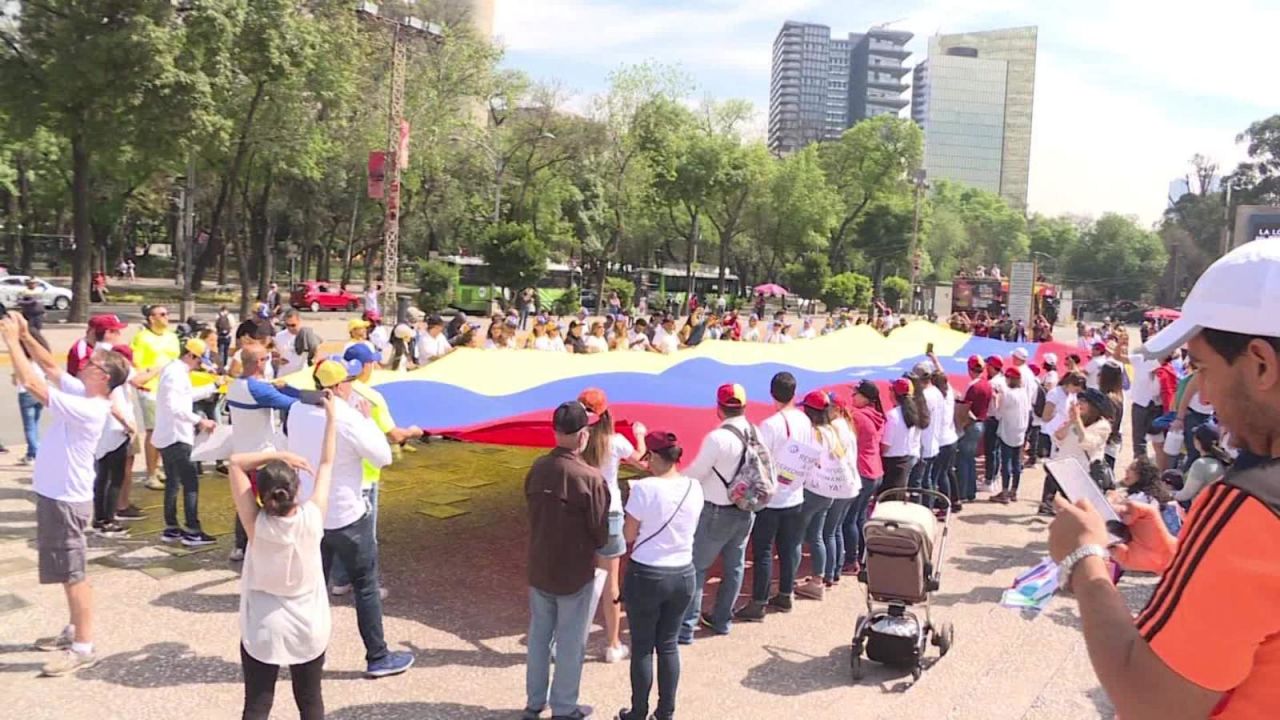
(13, 286)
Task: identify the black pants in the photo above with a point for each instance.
(107, 482)
(1050, 489)
(897, 470)
(1140, 417)
(179, 471)
(993, 446)
(260, 687)
(656, 599)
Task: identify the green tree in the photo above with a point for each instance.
(896, 291)
(884, 236)
(516, 257)
(847, 290)
(872, 160)
(625, 288)
(794, 213)
(994, 233)
(1054, 237)
(807, 276)
(435, 284)
(1256, 180)
(1116, 258)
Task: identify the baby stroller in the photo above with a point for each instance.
(905, 549)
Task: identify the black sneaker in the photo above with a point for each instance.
(197, 539)
(171, 535)
(751, 612)
(113, 530)
(133, 512)
(780, 602)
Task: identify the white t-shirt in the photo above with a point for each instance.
(596, 344)
(653, 502)
(284, 609)
(430, 348)
(286, 345)
(1013, 410)
(720, 453)
(666, 343)
(1144, 389)
(898, 439)
(1061, 401)
(380, 336)
(620, 448)
(542, 342)
(1199, 406)
(1092, 369)
(787, 424)
(752, 334)
(638, 341)
(930, 437)
(359, 439)
(113, 433)
(947, 434)
(65, 466)
(556, 344)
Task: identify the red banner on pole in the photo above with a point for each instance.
(402, 159)
(377, 173)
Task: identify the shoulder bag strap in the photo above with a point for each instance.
(688, 488)
(741, 460)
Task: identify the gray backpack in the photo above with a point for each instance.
(752, 484)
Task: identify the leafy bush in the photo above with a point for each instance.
(517, 258)
(849, 290)
(568, 302)
(625, 288)
(435, 285)
(896, 290)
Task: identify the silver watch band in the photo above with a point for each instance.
(1068, 564)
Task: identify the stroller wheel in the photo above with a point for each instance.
(943, 637)
(855, 664)
(916, 671)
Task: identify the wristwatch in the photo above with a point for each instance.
(1068, 564)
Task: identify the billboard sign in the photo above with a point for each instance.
(1022, 282)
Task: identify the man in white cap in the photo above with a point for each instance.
(1206, 644)
(1019, 358)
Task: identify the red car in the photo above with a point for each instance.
(317, 296)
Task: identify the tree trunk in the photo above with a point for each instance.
(242, 260)
(82, 232)
(691, 256)
(226, 191)
(222, 267)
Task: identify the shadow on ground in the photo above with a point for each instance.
(417, 711)
(790, 673)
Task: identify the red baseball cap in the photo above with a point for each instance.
(731, 395)
(1035, 369)
(1012, 372)
(594, 400)
(659, 440)
(1099, 347)
(105, 323)
(816, 400)
(975, 362)
(996, 362)
(901, 386)
(124, 350)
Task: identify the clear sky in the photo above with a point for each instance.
(1126, 90)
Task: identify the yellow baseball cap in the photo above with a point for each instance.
(354, 323)
(334, 371)
(196, 347)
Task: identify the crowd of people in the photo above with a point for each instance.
(305, 467)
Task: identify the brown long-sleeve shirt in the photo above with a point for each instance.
(568, 521)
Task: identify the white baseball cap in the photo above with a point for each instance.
(1238, 293)
(1020, 353)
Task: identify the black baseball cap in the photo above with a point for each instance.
(434, 321)
(570, 417)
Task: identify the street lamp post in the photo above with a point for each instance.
(397, 130)
(921, 184)
(500, 162)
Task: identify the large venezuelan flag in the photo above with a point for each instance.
(506, 397)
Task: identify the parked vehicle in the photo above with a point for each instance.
(315, 296)
(12, 287)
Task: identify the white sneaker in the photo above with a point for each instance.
(382, 593)
(616, 654)
(340, 590)
(237, 554)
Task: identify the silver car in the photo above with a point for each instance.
(13, 286)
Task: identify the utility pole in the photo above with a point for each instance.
(188, 222)
(921, 184)
(1226, 224)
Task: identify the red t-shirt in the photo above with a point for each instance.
(978, 398)
(1167, 379)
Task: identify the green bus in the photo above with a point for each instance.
(474, 291)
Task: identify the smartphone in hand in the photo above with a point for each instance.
(928, 349)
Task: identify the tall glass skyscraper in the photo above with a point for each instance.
(821, 85)
(973, 97)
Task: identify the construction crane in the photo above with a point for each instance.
(402, 30)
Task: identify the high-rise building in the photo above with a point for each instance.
(973, 97)
(821, 85)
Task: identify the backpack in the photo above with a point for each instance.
(1037, 405)
(752, 484)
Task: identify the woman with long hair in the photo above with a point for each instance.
(596, 342)
(817, 503)
(901, 439)
(1013, 413)
(1142, 483)
(1082, 436)
(833, 527)
(1111, 383)
(402, 348)
(606, 450)
(284, 609)
(867, 417)
(662, 516)
(573, 340)
(944, 477)
(1206, 469)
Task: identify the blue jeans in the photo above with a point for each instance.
(563, 617)
(30, 408)
(355, 547)
(833, 538)
(922, 477)
(857, 517)
(339, 574)
(656, 599)
(785, 527)
(815, 516)
(180, 471)
(1010, 467)
(942, 472)
(722, 533)
(991, 441)
(967, 461)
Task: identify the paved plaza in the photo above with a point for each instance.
(453, 548)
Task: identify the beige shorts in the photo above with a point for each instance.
(147, 406)
(60, 541)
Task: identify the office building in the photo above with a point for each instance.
(821, 85)
(973, 97)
